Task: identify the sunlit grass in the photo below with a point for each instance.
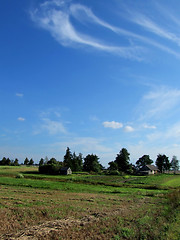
(119, 207)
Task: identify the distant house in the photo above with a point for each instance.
(65, 171)
(148, 170)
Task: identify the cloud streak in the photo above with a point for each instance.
(56, 18)
(153, 27)
(159, 102)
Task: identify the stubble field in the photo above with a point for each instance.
(87, 206)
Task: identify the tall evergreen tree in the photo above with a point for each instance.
(16, 162)
(31, 162)
(41, 162)
(3, 161)
(26, 161)
(122, 160)
(68, 158)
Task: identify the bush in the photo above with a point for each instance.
(19, 175)
(53, 169)
(114, 172)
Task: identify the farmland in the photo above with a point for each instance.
(84, 206)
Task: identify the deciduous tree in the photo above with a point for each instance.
(144, 160)
(91, 163)
(162, 162)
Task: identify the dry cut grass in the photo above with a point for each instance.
(27, 213)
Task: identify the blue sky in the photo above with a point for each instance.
(95, 76)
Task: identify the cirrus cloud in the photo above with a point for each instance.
(55, 17)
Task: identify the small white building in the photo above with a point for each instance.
(65, 171)
(148, 170)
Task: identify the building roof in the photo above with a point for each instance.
(152, 167)
(64, 168)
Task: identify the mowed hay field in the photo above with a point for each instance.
(84, 206)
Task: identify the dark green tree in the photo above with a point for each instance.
(16, 162)
(8, 162)
(144, 160)
(122, 160)
(31, 162)
(77, 161)
(26, 161)
(41, 162)
(174, 164)
(80, 162)
(3, 161)
(52, 161)
(91, 163)
(112, 166)
(162, 162)
(68, 158)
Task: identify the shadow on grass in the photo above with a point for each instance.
(31, 172)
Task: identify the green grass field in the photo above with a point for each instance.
(84, 206)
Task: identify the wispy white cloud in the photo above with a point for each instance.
(19, 95)
(53, 127)
(167, 30)
(153, 27)
(21, 119)
(170, 134)
(159, 102)
(55, 16)
(112, 124)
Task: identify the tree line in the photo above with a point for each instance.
(7, 162)
(122, 163)
(76, 162)
(91, 163)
